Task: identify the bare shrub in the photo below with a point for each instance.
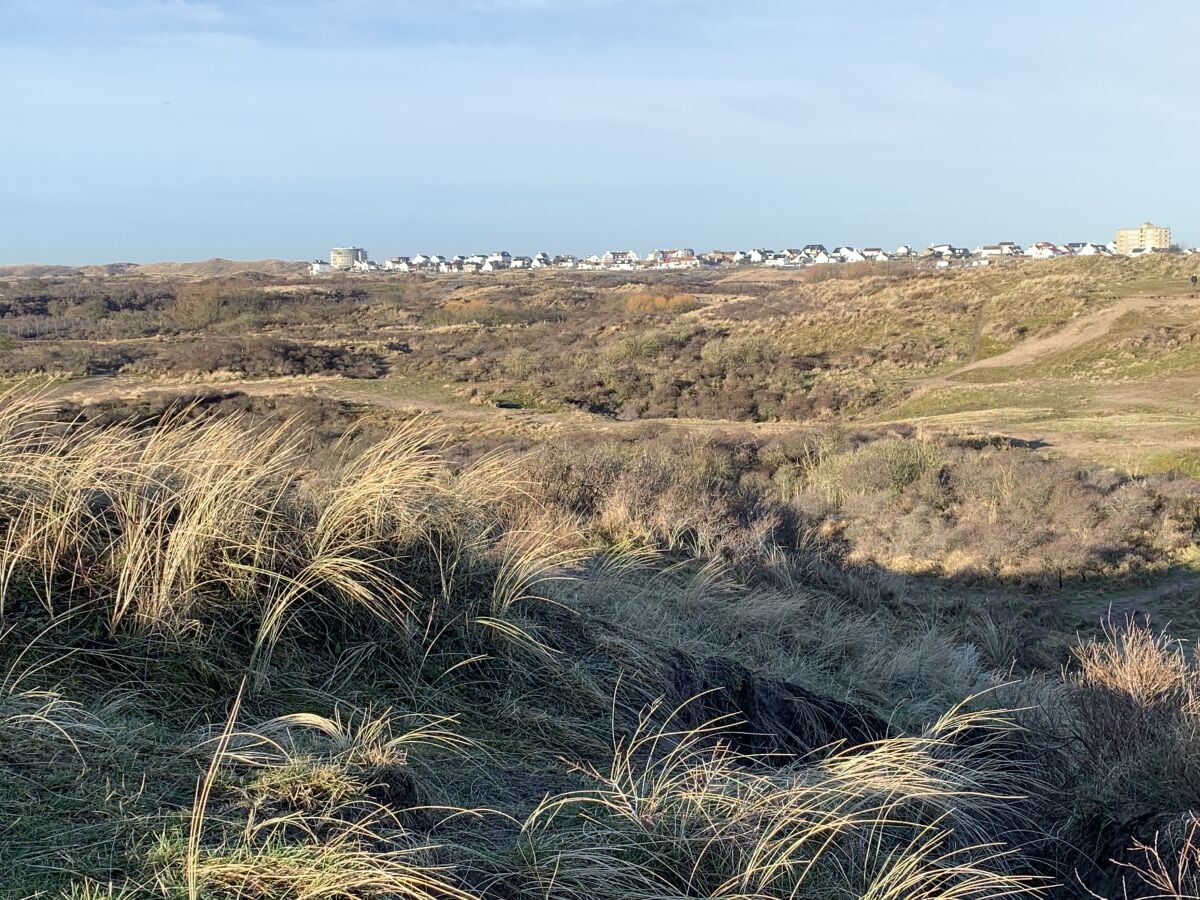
(1137, 725)
(1164, 873)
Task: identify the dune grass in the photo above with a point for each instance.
(232, 674)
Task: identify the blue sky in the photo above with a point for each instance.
(181, 129)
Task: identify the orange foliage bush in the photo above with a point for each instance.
(649, 302)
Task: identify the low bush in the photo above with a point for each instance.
(261, 357)
(1138, 701)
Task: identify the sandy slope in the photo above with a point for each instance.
(210, 268)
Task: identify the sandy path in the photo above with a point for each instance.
(1074, 334)
(1150, 606)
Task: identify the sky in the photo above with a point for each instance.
(187, 129)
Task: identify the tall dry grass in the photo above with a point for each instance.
(193, 527)
(1136, 725)
(681, 814)
(659, 302)
(349, 846)
(177, 527)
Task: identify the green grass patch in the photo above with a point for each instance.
(1042, 399)
(1177, 462)
(1152, 286)
(400, 388)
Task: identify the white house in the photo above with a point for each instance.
(813, 254)
(849, 255)
(319, 267)
(565, 261)
(904, 251)
(520, 262)
(790, 258)
(673, 259)
(1044, 250)
(946, 251)
(623, 259)
(876, 254)
(499, 260)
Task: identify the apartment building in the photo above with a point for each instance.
(1145, 237)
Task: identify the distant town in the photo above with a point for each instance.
(1142, 240)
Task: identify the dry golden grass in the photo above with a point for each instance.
(352, 848)
(168, 528)
(1145, 667)
(217, 540)
(655, 302)
(902, 818)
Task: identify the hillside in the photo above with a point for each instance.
(1016, 350)
(211, 268)
(244, 661)
(733, 585)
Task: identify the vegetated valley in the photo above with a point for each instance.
(875, 582)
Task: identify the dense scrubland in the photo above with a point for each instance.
(745, 345)
(284, 645)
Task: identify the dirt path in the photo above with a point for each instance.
(1074, 334)
(1167, 608)
(419, 399)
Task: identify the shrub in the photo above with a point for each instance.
(1164, 873)
(262, 356)
(1138, 724)
(652, 302)
(1184, 462)
(888, 466)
